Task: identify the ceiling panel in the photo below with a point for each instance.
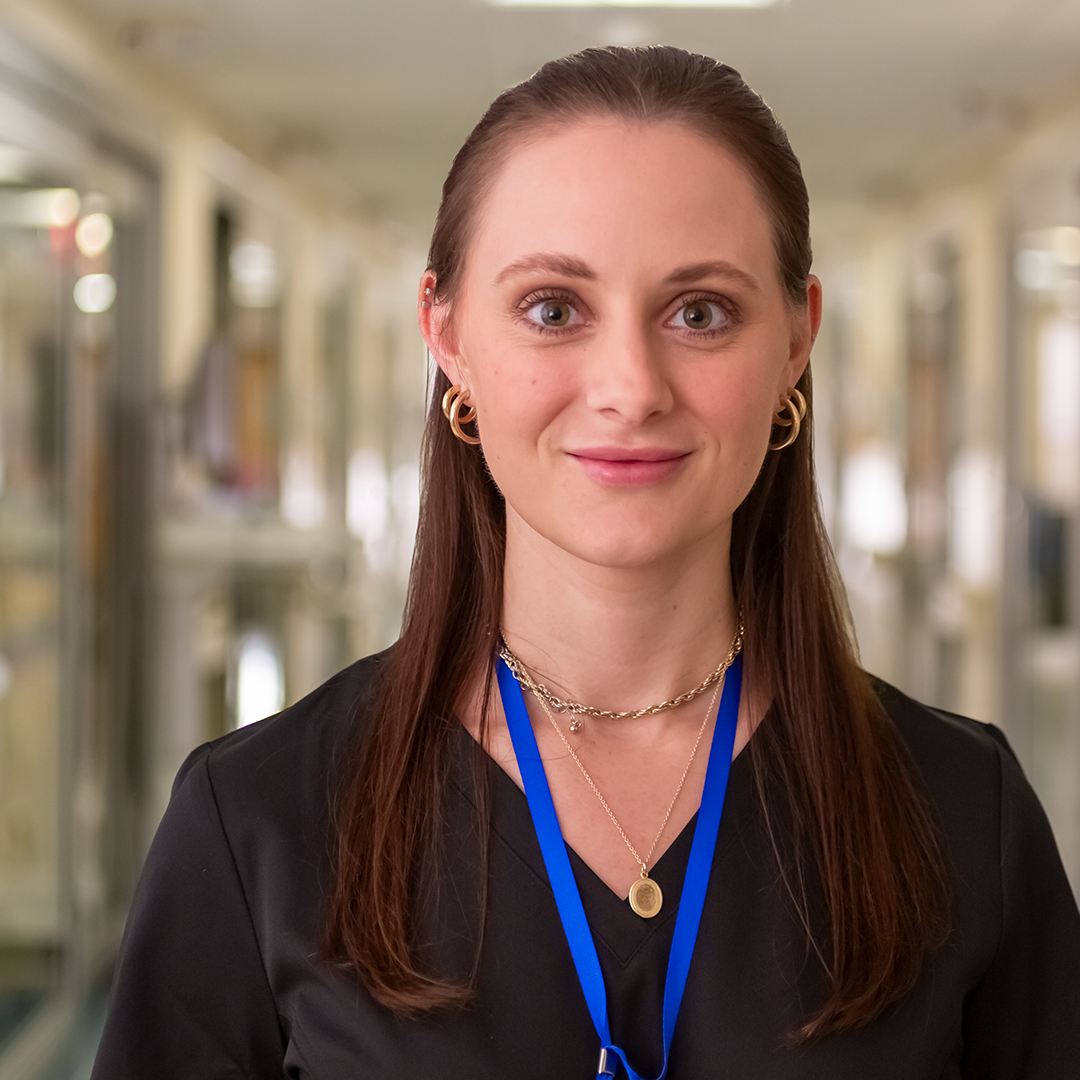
(880, 99)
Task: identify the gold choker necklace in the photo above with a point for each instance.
(557, 704)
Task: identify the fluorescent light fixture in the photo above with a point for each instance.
(54, 208)
(636, 3)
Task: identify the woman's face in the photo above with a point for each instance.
(624, 335)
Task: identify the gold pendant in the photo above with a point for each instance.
(646, 898)
(575, 724)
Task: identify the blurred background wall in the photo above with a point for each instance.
(213, 214)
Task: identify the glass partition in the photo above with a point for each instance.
(37, 227)
(1046, 656)
(76, 366)
(1042, 654)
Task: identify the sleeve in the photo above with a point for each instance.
(190, 999)
(1022, 1022)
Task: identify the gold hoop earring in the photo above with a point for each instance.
(794, 404)
(457, 410)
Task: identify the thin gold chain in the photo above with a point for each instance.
(643, 863)
(557, 704)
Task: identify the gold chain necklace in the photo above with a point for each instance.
(646, 897)
(557, 704)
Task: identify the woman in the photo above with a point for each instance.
(480, 854)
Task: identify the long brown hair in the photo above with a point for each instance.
(827, 757)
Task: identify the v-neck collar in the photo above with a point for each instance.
(613, 922)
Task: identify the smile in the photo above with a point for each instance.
(634, 467)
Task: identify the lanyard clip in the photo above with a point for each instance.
(607, 1064)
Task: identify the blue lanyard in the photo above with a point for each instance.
(564, 886)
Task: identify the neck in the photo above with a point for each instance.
(616, 638)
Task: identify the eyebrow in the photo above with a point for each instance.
(572, 267)
(552, 263)
(719, 268)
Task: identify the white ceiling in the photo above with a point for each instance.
(372, 97)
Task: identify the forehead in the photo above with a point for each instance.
(624, 197)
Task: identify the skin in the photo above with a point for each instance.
(623, 441)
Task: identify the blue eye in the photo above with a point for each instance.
(554, 314)
(701, 315)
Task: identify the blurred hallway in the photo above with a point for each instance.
(213, 215)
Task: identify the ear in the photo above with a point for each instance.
(435, 325)
(806, 321)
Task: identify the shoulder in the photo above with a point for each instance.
(946, 746)
(229, 905)
(969, 775)
(995, 830)
(1016, 923)
(289, 761)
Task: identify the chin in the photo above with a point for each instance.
(631, 549)
(623, 538)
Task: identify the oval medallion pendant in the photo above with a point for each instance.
(646, 899)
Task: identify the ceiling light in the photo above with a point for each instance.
(95, 293)
(63, 207)
(94, 234)
(636, 3)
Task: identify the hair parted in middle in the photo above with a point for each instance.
(826, 760)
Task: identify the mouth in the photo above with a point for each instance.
(630, 466)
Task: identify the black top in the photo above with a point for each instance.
(220, 974)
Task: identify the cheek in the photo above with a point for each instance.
(743, 450)
(516, 404)
(743, 401)
(740, 426)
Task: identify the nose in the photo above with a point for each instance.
(626, 376)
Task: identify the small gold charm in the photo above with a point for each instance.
(575, 724)
(646, 898)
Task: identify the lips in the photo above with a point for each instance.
(629, 466)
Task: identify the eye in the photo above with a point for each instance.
(553, 313)
(700, 315)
